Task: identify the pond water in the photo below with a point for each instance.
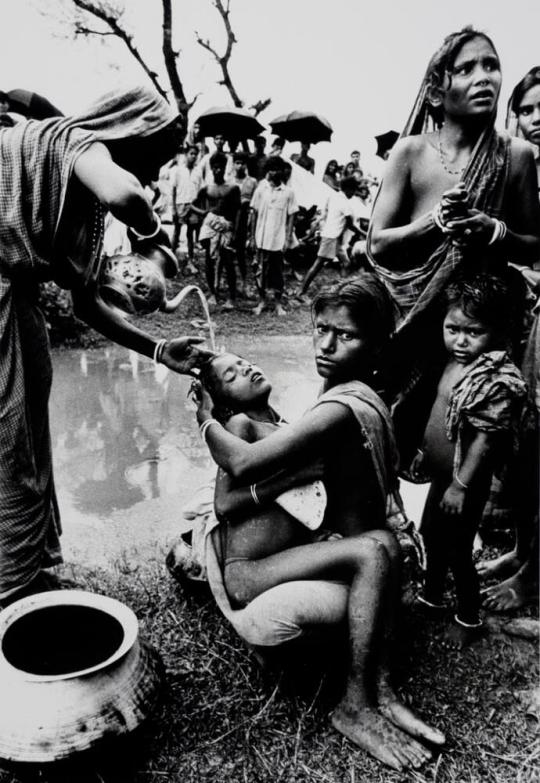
(127, 451)
(126, 447)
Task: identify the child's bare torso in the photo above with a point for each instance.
(353, 503)
(270, 530)
(220, 199)
(438, 449)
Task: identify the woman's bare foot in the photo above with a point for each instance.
(502, 566)
(402, 717)
(372, 732)
(509, 595)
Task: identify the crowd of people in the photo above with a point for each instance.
(428, 357)
(241, 208)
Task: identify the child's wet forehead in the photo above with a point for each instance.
(228, 361)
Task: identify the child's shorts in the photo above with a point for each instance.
(328, 248)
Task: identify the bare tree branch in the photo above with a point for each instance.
(223, 60)
(260, 106)
(100, 12)
(82, 30)
(170, 58)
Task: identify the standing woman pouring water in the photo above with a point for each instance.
(59, 177)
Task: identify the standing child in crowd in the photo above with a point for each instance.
(185, 187)
(219, 202)
(473, 423)
(339, 218)
(247, 185)
(273, 207)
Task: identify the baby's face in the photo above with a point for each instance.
(466, 338)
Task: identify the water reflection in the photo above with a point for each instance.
(124, 431)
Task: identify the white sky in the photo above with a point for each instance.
(358, 63)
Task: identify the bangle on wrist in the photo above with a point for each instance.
(153, 234)
(460, 482)
(158, 350)
(205, 425)
(253, 490)
(499, 231)
(437, 217)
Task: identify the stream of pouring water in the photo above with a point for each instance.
(173, 303)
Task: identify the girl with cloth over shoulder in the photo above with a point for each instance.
(59, 178)
(283, 581)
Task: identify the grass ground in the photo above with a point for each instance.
(224, 719)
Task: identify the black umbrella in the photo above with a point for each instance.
(231, 122)
(385, 142)
(302, 126)
(31, 105)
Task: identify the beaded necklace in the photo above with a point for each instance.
(455, 172)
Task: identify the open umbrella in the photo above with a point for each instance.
(302, 126)
(385, 142)
(230, 121)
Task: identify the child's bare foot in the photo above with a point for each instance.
(404, 718)
(228, 305)
(280, 310)
(258, 310)
(509, 595)
(370, 730)
(502, 566)
(461, 634)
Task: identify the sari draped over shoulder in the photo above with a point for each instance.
(37, 160)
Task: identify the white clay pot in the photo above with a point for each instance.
(72, 671)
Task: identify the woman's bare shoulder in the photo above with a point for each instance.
(411, 146)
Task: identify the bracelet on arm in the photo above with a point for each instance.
(153, 234)
(460, 482)
(158, 350)
(253, 490)
(205, 425)
(499, 231)
(436, 216)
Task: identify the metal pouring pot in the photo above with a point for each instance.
(135, 282)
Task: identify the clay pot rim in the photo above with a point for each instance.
(122, 613)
